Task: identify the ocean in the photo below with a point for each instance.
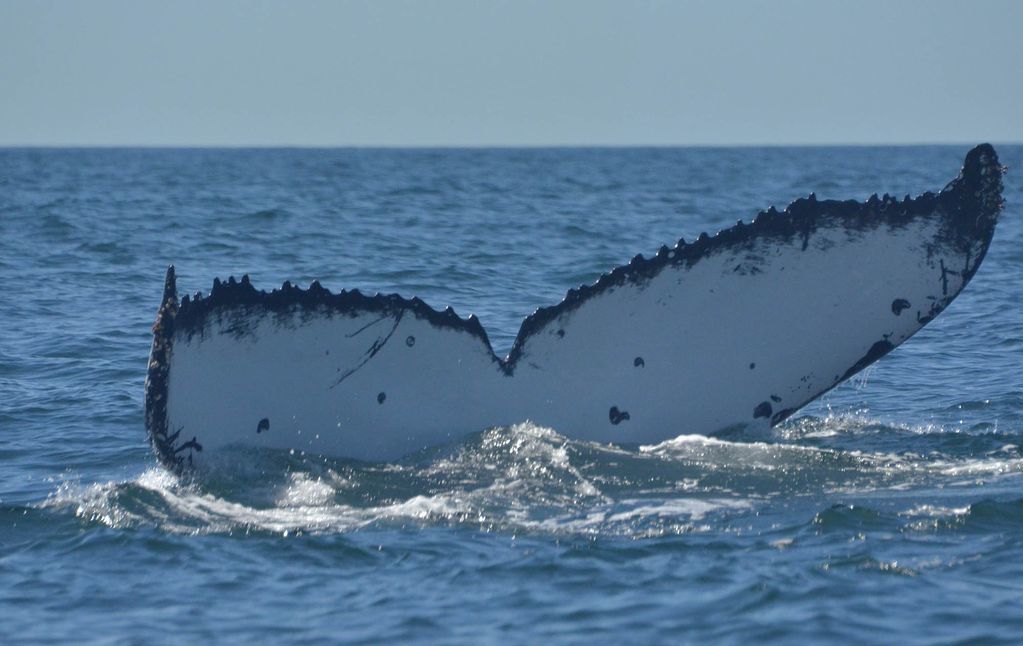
(890, 510)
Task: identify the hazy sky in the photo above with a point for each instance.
(515, 72)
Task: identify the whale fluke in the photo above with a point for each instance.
(742, 327)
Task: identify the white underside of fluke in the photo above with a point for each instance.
(745, 334)
(711, 343)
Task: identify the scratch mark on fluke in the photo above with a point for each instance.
(377, 345)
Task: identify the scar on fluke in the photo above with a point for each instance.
(377, 345)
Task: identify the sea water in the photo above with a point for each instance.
(889, 510)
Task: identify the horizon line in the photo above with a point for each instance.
(504, 146)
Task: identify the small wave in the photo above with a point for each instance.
(56, 226)
(993, 515)
(868, 563)
(969, 405)
(108, 251)
(853, 517)
(981, 517)
(768, 469)
(414, 191)
(576, 231)
(269, 215)
(859, 431)
(934, 511)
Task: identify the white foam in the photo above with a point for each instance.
(935, 511)
(525, 478)
(306, 491)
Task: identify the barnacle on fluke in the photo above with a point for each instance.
(743, 327)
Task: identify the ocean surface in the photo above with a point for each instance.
(891, 510)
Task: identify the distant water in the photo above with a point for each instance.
(890, 511)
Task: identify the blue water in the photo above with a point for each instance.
(891, 510)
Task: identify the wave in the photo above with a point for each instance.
(526, 478)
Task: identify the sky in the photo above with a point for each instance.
(509, 73)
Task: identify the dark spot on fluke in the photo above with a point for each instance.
(264, 425)
(381, 396)
(561, 334)
(898, 305)
(410, 340)
(763, 409)
(752, 366)
(617, 416)
(638, 362)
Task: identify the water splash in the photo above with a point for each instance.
(527, 478)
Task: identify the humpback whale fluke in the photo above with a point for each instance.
(743, 327)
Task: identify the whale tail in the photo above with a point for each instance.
(738, 328)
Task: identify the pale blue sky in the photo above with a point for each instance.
(514, 72)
